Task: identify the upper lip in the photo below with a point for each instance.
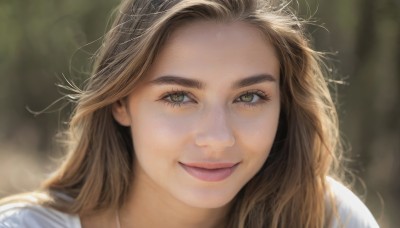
(210, 165)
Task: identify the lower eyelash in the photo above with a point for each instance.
(172, 103)
(261, 94)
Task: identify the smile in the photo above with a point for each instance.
(210, 172)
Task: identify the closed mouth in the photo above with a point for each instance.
(210, 165)
(210, 172)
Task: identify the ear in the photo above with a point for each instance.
(121, 113)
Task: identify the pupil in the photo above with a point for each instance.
(177, 97)
(247, 97)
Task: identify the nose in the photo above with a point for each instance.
(214, 130)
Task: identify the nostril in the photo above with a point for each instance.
(215, 140)
(215, 130)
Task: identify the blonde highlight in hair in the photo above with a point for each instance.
(289, 191)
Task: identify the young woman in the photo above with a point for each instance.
(199, 113)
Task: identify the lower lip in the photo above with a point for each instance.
(210, 175)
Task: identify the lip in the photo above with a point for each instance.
(210, 172)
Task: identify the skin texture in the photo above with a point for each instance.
(216, 121)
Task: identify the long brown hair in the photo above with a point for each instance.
(289, 191)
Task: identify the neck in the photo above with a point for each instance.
(147, 207)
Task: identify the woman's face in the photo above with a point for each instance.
(204, 120)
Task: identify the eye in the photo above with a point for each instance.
(177, 98)
(252, 97)
(248, 97)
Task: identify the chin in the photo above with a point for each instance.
(210, 200)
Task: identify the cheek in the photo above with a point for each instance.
(261, 126)
(257, 135)
(157, 134)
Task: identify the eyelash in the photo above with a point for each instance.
(176, 92)
(166, 98)
(262, 95)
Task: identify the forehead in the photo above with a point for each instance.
(209, 49)
(215, 32)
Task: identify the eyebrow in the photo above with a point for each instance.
(193, 83)
(255, 79)
(175, 80)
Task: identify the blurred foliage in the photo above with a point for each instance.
(43, 40)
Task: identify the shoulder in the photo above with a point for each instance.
(350, 210)
(27, 215)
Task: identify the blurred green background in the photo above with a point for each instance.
(43, 40)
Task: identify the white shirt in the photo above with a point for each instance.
(352, 213)
(23, 215)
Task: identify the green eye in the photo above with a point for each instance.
(246, 97)
(252, 98)
(177, 97)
